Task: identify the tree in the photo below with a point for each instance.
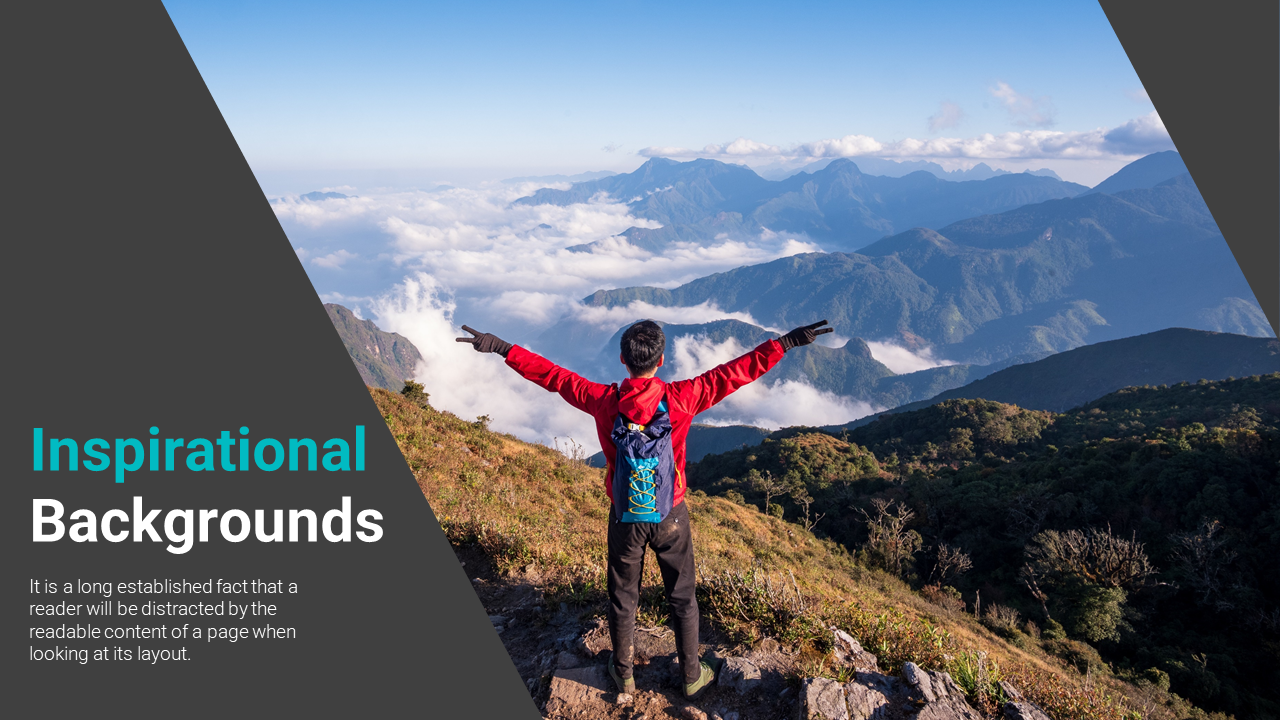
(889, 542)
(1027, 512)
(767, 484)
(802, 498)
(1090, 572)
(1095, 556)
(949, 563)
(1028, 576)
(1201, 558)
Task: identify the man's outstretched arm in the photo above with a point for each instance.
(701, 393)
(576, 390)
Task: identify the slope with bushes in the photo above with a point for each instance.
(1138, 532)
(535, 515)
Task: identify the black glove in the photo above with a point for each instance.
(486, 343)
(803, 335)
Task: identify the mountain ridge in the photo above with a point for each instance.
(384, 360)
(837, 205)
(1045, 277)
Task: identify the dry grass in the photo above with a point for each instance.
(530, 509)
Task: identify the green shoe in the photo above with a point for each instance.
(624, 686)
(694, 689)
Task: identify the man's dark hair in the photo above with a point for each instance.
(642, 346)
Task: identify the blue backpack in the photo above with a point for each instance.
(644, 475)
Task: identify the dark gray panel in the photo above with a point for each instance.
(147, 282)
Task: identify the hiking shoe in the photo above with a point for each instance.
(624, 686)
(694, 689)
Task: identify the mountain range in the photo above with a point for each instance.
(1045, 277)
(838, 206)
(898, 168)
(1070, 379)
(849, 370)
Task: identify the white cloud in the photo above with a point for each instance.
(334, 260)
(1140, 136)
(948, 116)
(901, 360)
(470, 384)
(1135, 138)
(760, 404)
(1023, 109)
(478, 244)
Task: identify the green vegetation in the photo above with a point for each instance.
(1137, 534)
(539, 515)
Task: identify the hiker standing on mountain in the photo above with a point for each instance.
(642, 424)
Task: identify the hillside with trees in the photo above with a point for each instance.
(913, 539)
(1134, 535)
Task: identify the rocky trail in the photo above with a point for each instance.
(561, 652)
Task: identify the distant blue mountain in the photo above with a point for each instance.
(899, 168)
(1070, 379)
(320, 196)
(1046, 277)
(838, 206)
(849, 371)
(1145, 172)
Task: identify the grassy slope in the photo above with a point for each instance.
(523, 504)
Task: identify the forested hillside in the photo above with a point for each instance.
(529, 525)
(1136, 534)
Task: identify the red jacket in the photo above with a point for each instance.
(638, 398)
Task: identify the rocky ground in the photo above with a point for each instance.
(561, 653)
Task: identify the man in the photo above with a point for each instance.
(638, 400)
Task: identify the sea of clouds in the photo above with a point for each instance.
(423, 262)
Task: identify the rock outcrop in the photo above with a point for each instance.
(872, 695)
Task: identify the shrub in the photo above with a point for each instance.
(947, 598)
(980, 679)
(1156, 677)
(413, 392)
(1001, 619)
(749, 605)
(1096, 614)
(1081, 656)
(894, 637)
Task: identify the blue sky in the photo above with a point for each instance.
(340, 93)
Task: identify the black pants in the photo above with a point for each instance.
(672, 541)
